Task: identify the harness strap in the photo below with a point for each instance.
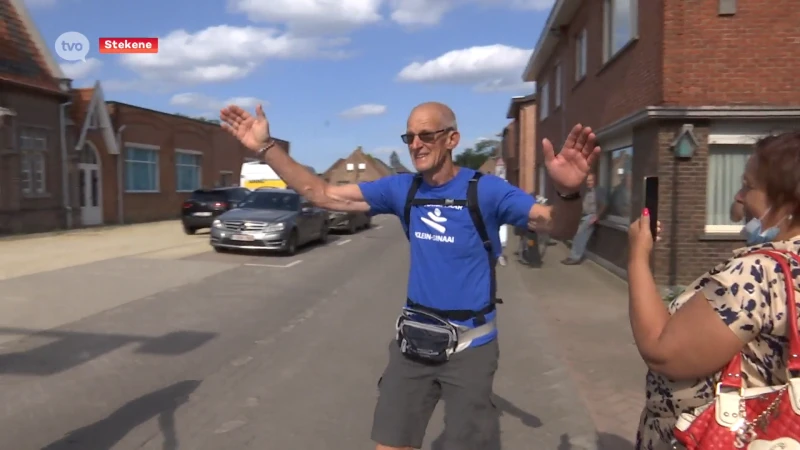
(412, 192)
(458, 315)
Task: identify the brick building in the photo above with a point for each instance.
(139, 165)
(357, 167)
(648, 75)
(34, 164)
(519, 145)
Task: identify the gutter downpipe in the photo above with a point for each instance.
(64, 164)
(120, 176)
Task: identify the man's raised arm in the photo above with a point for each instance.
(568, 170)
(253, 133)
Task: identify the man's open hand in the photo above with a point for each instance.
(572, 165)
(251, 131)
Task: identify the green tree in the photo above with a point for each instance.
(474, 158)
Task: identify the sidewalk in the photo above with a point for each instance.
(585, 309)
(23, 255)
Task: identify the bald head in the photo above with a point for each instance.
(435, 111)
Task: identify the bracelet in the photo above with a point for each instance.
(572, 196)
(264, 149)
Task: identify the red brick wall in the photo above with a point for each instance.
(20, 213)
(752, 57)
(220, 152)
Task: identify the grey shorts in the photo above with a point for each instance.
(409, 391)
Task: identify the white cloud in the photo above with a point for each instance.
(224, 53)
(311, 16)
(420, 12)
(489, 68)
(363, 111)
(81, 69)
(201, 102)
(431, 12)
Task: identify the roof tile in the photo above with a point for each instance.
(20, 60)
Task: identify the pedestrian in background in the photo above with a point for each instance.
(593, 209)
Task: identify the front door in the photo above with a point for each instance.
(89, 194)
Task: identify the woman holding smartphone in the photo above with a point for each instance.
(737, 306)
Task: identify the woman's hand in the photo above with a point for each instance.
(640, 241)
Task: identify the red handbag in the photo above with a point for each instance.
(766, 418)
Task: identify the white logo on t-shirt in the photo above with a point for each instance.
(435, 221)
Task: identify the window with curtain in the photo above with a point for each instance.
(620, 19)
(187, 167)
(141, 170)
(726, 165)
(544, 101)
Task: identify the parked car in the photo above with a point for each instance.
(349, 221)
(204, 205)
(270, 219)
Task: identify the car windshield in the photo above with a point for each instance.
(272, 200)
(209, 196)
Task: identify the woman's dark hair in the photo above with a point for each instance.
(778, 170)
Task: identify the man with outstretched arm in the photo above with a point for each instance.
(445, 346)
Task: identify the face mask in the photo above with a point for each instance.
(755, 235)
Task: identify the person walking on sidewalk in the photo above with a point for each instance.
(593, 208)
(737, 306)
(446, 342)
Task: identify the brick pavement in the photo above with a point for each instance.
(586, 313)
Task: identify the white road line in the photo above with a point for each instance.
(293, 263)
(344, 242)
(378, 227)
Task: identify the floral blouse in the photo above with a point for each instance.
(749, 294)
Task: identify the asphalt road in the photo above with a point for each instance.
(228, 351)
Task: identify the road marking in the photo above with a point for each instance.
(378, 227)
(293, 263)
(344, 242)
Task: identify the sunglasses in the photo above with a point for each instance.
(426, 136)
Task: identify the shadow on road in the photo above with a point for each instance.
(503, 407)
(104, 434)
(68, 349)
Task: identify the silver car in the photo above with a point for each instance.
(270, 219)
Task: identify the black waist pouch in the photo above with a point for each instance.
(425, 336)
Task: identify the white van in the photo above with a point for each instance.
(258, 174)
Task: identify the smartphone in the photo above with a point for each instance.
(651, 202)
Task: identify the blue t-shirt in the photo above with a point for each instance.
(449, 267)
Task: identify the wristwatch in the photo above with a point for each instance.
(572, 196)
(263, 150)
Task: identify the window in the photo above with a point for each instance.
(225, 178)
(580, 55)
(141, 169)
(726, 165)
(620, 21)
(614, 181)
(33, 161)
(544, 101)
(542, 181)
(187, 171)
(558, 85)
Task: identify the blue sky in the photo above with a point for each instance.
(334, 75)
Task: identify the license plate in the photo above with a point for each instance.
(202, 214)
(243, 237)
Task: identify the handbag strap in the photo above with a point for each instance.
(732, 374)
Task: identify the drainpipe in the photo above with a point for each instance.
(120, 177)
(65, 164)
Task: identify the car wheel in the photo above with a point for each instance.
(323, 233)
(353, 228)
(189, 231)
(220, 249)
(291, 244)
(368, 225)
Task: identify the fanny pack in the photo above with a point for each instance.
(426, 336)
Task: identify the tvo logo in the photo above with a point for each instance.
(72, 46)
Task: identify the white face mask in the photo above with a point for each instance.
(756, 235)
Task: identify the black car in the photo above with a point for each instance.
(204, 205)
(349, 221)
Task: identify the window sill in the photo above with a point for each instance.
(36, 196)
(142, 192)
(614, 223)
(624, 49)
(724, 237)
(578, 82)
(186, 191)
